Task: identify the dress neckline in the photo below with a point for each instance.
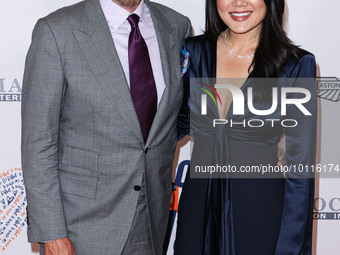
(213, 74)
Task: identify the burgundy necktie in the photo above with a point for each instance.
(142, 83)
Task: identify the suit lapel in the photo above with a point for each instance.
(169, 56)
(94, 38)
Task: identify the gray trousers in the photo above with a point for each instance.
(139, 241)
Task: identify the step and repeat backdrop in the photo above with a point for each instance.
(312, 24)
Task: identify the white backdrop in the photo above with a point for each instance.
(313, 24)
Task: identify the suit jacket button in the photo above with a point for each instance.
(146, 150)
(137, 188)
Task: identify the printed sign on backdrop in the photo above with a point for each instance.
(12, 206)
(10, 90)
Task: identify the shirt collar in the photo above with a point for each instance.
(117, 15)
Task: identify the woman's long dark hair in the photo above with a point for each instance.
(274, 46)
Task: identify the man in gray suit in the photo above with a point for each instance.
(101, 94)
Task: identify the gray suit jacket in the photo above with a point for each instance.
(82, 147)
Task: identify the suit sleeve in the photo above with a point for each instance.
(42, 94)
(183, 120)
(296, 227)
(189, 29)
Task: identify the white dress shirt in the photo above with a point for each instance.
(120, 28)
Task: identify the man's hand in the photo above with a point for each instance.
(61, 246)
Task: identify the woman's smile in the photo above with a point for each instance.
(240, 16)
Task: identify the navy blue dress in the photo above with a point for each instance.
(248, 216)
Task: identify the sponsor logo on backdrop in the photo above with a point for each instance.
(327, 209)
(182, 170)
(180, 176)
(10, 90)
(12, 206)
(328, 88)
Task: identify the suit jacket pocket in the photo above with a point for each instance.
(78, 172)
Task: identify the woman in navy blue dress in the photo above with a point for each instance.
(244, 39)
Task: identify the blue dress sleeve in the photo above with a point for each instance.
(295, 236)
(183, 122)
